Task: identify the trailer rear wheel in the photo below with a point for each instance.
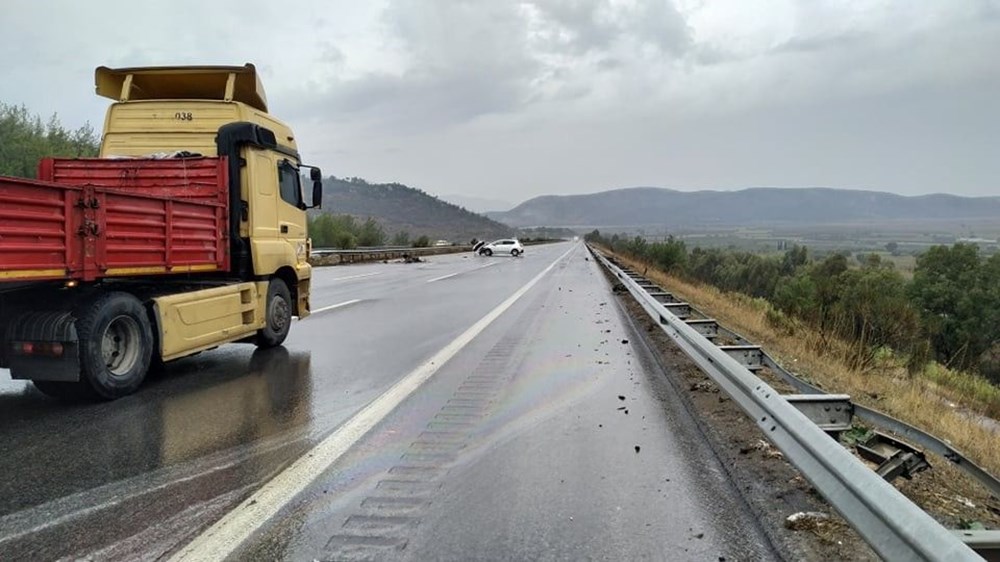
(278, 315)
(116, 344)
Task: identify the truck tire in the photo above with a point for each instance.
(277, 315)
(116, 344)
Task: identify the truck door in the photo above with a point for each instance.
(277, 217)
(291, 208)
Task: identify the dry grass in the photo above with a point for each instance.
(923, 400)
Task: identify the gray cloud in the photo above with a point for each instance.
(585, 26)
(537, 96)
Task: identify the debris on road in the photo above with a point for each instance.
(703, 386)
(637, 449)
(806, 520)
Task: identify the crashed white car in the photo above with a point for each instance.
(501, 247)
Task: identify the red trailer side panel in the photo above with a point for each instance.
(38, 223)
(177, 178)
(107, 218)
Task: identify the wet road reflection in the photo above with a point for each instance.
(199, 406)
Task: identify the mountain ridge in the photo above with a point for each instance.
(400, 208)
(656, 205)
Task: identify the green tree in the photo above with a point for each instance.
(401, 238)
(873, 309)
(956, 296)
(793, 259)
(371, 233)
(24, 140)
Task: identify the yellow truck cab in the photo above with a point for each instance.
(173, 109)
(68, 332)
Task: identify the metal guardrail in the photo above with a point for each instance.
(382, 249)
(887, 520)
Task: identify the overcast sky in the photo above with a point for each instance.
(509, 100)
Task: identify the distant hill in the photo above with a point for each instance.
(641, 206)
(401, 208)
(478, 204)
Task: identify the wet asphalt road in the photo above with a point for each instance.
(519, 447)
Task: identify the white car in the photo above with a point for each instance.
(502, 247)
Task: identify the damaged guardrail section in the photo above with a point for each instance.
(887, 520)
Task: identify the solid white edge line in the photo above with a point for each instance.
(230, 532)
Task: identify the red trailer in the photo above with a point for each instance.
(87, 219)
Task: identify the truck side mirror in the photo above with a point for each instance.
(317, 201)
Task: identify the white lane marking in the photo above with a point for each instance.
(338, 305)
(450, 275)
(443, 277)
(359, 276)
(223, 538)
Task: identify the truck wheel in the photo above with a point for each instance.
(116, 344)
(278, 315)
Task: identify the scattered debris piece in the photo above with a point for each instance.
(703, 386)
(805, 520)
(700, 536)
(620, 397)
(764, 447)
(637, 449)
(965, 501)
(624, 341)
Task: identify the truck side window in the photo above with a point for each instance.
(288, 182)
